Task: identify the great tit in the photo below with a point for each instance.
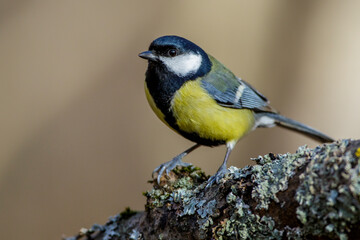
(199, 98)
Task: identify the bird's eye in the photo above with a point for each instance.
(172, 52)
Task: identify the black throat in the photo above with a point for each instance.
(163, 84)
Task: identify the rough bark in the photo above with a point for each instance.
(311, 194)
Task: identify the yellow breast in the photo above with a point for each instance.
(196, 112)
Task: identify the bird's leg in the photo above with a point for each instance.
(222, 169)
(176, 161)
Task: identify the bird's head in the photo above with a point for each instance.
(178, 56)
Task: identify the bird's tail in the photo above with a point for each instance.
(264, 118)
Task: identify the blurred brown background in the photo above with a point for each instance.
(78, 139)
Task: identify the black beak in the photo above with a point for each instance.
(147, 55)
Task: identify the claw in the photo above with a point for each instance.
(156, 170)
(168, 166)
(176, 161)
(217, 177)
(211, 181)
(160, 173)
(222, 170)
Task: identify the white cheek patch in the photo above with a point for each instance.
(183, 65)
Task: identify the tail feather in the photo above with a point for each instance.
(288, 123)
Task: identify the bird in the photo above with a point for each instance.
(202, 100)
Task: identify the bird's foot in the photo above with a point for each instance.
(170, 165)
(217, 177)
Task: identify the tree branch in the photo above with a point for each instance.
(312, 194)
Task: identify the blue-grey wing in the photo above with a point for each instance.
(231, 91)
(235, 93)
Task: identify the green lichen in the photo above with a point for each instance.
(294, 233)
(158, 197)
(243, 224)
(197, 176)
(111, 229)
(272, 175)
(324, 209)
(330, 209)
(135, 235)
(205, 209)
(180, 189)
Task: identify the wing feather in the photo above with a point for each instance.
(230, 91)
